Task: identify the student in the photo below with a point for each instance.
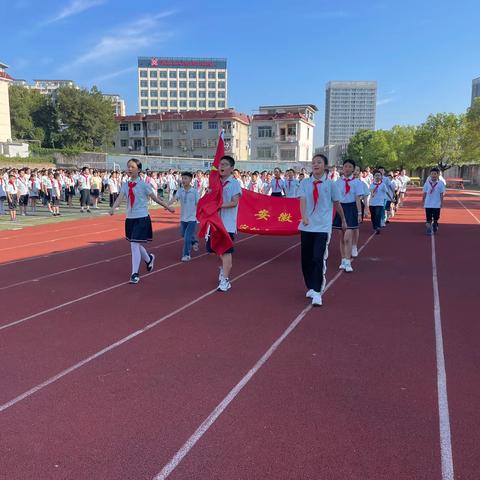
(364, 206)
(95, 186)
(333, 175)
(138, 225)
(351, 192)
(318, 195)
(291, 184)
(255, 184)
(277, 185)
(113, 187)
(228, 213)
(55, 196)
(267, 184)
(432, 199)
(3, 194)
(69, 188)
(84, 188)
(404, 180)
(378, 193)
(12, 196)
(22, 186)
(188, 197)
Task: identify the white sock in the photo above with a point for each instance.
(144, 253)
(136, 257)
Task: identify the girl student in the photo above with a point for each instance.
(138, 225)
(378, 195)
(69, 188)
(83, 182)
(95, 188)
(33, 191)
(55, 195)
(12, 196)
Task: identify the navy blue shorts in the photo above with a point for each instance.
(138, 229)
(230, 250)
(351, 216)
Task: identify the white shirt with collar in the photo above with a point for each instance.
(356, 189)
(188, 203)
(434, 191)
(231, 188)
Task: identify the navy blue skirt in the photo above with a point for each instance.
(138, 229)
(351, 216)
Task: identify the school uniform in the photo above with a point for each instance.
(349, 189)
(33, 188)
(84, 186)
(113, 190)
(3, 194)
(366, 194)
(22, 186)
(255, 186)
(378, 193)
(433, 199)
(69, 188)
(277, 187)
(404, 179)
(319, 196)
(188, 217)
(334, 176)
(56, 192)
(138, 225)
(12, 192)
(291, 188)
(231, 188)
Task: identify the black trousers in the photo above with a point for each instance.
(376, 216)
(314, 247)
(432, 214)
(113, 197)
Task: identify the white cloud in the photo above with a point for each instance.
(385, 101)
(129, 38)
(74, 8)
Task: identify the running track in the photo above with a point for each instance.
(101, 379)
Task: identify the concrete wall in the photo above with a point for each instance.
(5, 129)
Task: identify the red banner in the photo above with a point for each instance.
(265, 215)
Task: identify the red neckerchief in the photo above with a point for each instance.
(277, 186)
(432, 186)
(131, 193)
(199, 184)
(347, 184)
(315, 193)
(377, 185)
(332, 175)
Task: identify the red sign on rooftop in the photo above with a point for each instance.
(155, 62)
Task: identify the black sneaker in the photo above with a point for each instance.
(435, 227)
(135, 278)
(150, 263)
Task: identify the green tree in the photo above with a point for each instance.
(379, 151)
(470, 140)
(401, 138)
(437, 142)
(356, 146)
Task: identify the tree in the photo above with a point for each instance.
(470, 140)
(356, 146)
(437, 142)
(378, 151)
(400, 139)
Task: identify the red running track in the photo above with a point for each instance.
(351, 392)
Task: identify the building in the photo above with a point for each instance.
(5, 128)
(47, 87)
(349, 107)
(181, 84)
(334, 153)
(20, 83)
(191, 134)
(283, 132)
(117, 102)
(475, 89)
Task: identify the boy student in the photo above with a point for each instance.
(351, 192)
(55, 195)
(318, 195)
(228, 213)
(84, 188)
(255, 184)
(378, 193)
(291, 184)
(138, 225)
(12, 196)
(22, 185)
(188, 197)
(432, 199)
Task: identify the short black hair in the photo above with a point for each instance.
(229, 159)
(435, 169)
(377, 171)
(323, 157)
(137, 162)
(380, 168)
(187, 174)
(351, 162)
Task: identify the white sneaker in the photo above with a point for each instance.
(220, 274)
(342, 264)
(186, 258)
(354, 251)
(224, 285)
(310, 293)
(348, 266)
(316, 299)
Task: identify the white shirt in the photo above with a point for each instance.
(188, 204)
(142, 192)
(378, 198)
(356, 189)
(11, 189)
(433, 190)
(231, 187)
(33, 187)
(112, 185)
(256, 186)
(291, 188)
(84, 182)
(22, 185)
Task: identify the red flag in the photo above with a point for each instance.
(209, 205)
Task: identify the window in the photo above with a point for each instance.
(211, 84)
(291, 129)
(124, 143)
(144, 83)
(192, 94)
(212, 142)
(227, 126)
(202, 94)
(153, 74)
(202, 84)
(144, 110)
(163, 84)
(183, 94)
(221, 104)
(182, 74)
(172, 74)
(143, 73)
(144, 93)
(192, 104)
(153, 83)
(211, 75)
(287, 154)
(192, 84)
(197, 143)
(154, 110)
(154, 103)
(182, 84)
(173, 93)
(192, 74)
(166, 127)
(163, 74)
(212, 104)
(163, 103)
(264, 152)
(264, 132)
(167, 143)
(144, 103)
(124, 127)
(221, 94)
(181, 142)
(201, 75)
(173, 84)
(137, 127)
(154, 93)
(183, 103)
(163, 93)
(211, 95)
(173, 103)
(221, 74)
(213, 125)
(202, 104)
(137, 144)
(197, 125)
(221, 84)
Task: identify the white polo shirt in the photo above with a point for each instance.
(84, 182)
(231, 187)
(378, 198)
(22, 185)
(356, 189)
(291, 188)
(142, 192)
(188, 203)
(433, 192)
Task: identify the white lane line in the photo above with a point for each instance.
(98, 292)
(443, 413)
(106, 260)
(89, 359)
(219, 409)
(48, 231)
(471, 213)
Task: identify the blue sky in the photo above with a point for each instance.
(424, 54)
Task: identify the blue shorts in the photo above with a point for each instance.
(351, 216)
